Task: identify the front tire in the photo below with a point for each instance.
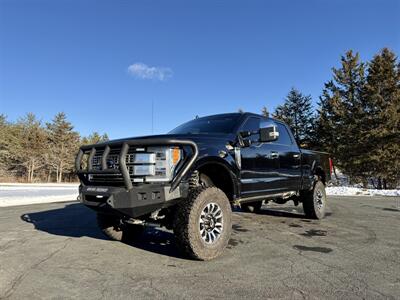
(314, 202)
(203, 223)
(113, 227)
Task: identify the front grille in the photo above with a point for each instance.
(133, 158)
(171, 170)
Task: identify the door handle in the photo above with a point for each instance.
(296, 155)
(274, 154)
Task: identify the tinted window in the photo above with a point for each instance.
(212, 124)
(252, 124)
(284, 137)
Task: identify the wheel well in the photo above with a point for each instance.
(321, 174)
(220, 177)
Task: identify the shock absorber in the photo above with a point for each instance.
(194, 180)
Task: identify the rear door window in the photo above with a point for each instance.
(284, 137)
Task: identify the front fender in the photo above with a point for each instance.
(228, 163)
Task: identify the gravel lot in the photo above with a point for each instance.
(56, 251)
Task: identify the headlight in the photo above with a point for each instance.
(144, 170)
(160, 163)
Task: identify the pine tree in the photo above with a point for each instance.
(5, 140)
(297, 112)
(94, 138)
(28, 145)
(382, 94)
(64, 143)
(341, 121)
(265, 112)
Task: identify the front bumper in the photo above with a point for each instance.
(131, 199)
(135, 202)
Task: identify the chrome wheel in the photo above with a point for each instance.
(314, 202)
(211, 223)
(319, 199)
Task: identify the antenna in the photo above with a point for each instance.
(152, 116)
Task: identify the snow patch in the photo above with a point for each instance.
(12, 201)
(25, 194)
(357, 191)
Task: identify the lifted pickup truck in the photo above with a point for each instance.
(188, 179)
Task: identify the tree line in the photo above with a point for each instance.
(357, 118)
(32, 151)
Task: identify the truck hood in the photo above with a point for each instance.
(197, 138)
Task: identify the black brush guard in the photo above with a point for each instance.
(131, 200)
(122, 168)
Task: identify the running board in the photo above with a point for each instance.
(284, 195)
(289, 194)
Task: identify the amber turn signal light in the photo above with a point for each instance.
(176, 155)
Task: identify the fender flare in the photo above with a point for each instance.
(216, 160)
(317, 170)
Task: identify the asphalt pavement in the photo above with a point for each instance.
(55, 251)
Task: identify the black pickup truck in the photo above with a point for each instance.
(188, 179)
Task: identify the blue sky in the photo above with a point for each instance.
(104, 62)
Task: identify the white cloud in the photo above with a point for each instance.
(143, 71)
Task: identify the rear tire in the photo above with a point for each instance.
(251, 207)
(203, 223)
(314, 202)
(113, 227)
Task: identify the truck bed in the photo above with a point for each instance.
(311, 158)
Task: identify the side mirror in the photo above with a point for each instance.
(269, 133)
(245, 134)
(243, 138)
(246, 143)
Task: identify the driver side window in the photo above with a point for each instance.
(252, 124)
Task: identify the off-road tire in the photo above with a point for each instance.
(314, 201)
(251, 207)
(116, 230)
(187, 228)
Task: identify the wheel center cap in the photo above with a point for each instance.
(212, 223)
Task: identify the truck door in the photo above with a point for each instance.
(259, 169)
(289, 159)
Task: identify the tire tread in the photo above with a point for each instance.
(185, 209)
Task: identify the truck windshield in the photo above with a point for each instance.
(212, 124)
